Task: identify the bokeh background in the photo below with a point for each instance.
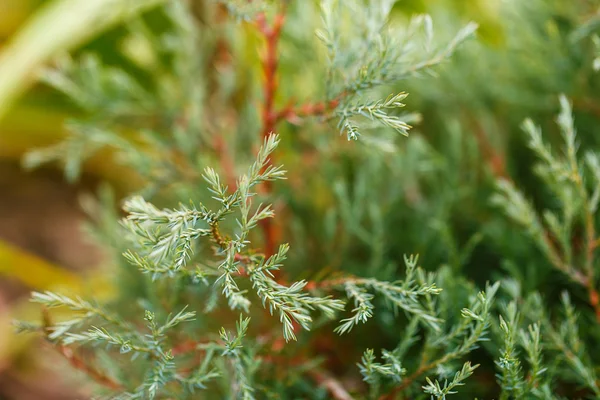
(526, 53)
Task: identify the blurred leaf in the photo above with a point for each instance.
(12, 15)
(39, 274)
(33, 271)
(59, 26)
(27, 127)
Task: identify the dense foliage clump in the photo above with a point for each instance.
(213, 302)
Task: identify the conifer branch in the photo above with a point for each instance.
(479, 317)
(76, 361)
(203, 252)
(566, 179)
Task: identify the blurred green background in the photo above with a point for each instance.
(526, 53)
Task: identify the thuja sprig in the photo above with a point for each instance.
(555, 338)
(566, 339)
(374, 111)
(407, 295)
(74, 359)
(233, 349)
(363, 309)
(531, 340)
(117, 333)
(373, 372)
(88, 310)
(511, 372)
(438, 391)
(380, 54)
(513, 378)
(196, 241)
(164, 241)
(292, 304)
(457, 343)
(472, 330)
(567, 177)
(167, 237)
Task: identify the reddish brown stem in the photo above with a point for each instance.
(589, 265)
(495, 159)
(269, 63)
(295, 114)
(322, 378)
(586, 280)
(333, 386)
(329, 283)
(76, 361)
(498, 166)
(270, 116)
(227, 164)
(594, 299)
(186, 347)
(406, 382)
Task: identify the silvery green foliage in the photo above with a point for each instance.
(193, 272)
(164, 241)
(407, 295)
(575, 184)
(540, 351)
(589, 29)
(142, 123)
(440, 392)
(372, 52)
(167, 238)
(445, 344)
(199, 254)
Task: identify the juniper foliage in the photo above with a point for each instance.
(200, 283)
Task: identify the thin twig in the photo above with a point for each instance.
(329, 283)
(76, 361)
(321, 377)
(295, 114)
(406, 382)
(590, 249)
(333, 386)
(185, 347)
(494, 158)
